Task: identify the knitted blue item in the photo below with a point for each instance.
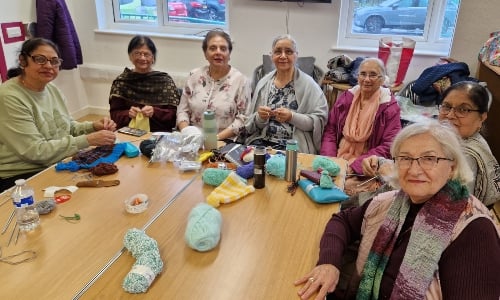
(325, 181)
(246, 171)
(72, 166)
(276, 166)
(203, 228)
(324, 163)
(148, 261)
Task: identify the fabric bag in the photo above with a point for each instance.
(490, 51)
(338, 69)
(320, 195)
(396, 57)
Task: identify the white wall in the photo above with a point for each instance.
(253, 25)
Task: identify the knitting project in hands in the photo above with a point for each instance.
(148, 261)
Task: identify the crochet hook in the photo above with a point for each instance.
(8, 221)
(366, 181)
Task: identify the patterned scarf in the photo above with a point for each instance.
(153, 88)
(358, 126)
(431, 234)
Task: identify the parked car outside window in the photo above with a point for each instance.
(216, 10)
(399, 14)
(196, 8)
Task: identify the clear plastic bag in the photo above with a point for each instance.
(175, 147)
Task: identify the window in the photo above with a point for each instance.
(176, 17)
(430, 22)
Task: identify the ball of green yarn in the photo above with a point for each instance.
(214, 177)
(275, 165)
(324, 163)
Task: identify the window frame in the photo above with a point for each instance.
(106, 10)
(430, 43)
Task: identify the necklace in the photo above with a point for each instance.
(30, 87)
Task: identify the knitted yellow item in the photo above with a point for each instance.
(230, 190)
(139, 122)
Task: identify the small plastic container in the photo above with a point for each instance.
(137, 203)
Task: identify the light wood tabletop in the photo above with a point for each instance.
(268, 240)
(69, 255)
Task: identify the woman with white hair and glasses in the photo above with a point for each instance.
(429, 239)
(465, 105)
(364, 119)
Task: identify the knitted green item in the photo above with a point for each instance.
(276, 166)
(324, 163)
(148, 261)
(325, 181)
(216, 177)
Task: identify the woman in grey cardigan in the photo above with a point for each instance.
(287, 104)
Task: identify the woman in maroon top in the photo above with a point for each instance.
(143, 91)
(430, 239)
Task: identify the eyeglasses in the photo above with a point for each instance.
(287, 51)
(425, 162)
(372, 76)
(42, 60)
(460, 111)
(138, 54)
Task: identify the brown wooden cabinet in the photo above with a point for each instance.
(491, 75)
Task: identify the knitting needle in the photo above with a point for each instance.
(366, 181)
(8, 221)
(12, 234)
(5, 201)
(17, 236)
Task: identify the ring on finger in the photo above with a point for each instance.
(311, 279)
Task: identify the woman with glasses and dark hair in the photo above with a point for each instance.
(217, 87)
(37, 129)
(287, 103)
(429, 239)
(142, 93)
(465, 105)
(364, 120)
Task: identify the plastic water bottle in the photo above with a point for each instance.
(24, 201)
(291, 160)
(259, 167)
(209, 130)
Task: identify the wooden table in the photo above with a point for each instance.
(69, 255)
(269, 239)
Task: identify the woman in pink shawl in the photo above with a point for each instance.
(364, 119)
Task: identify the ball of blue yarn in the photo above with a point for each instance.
(203, 228)
(326, 164)
(276, 166)
(245, 171)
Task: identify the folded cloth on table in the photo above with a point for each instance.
(203, 228)
(321, 195)
(116, 152)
